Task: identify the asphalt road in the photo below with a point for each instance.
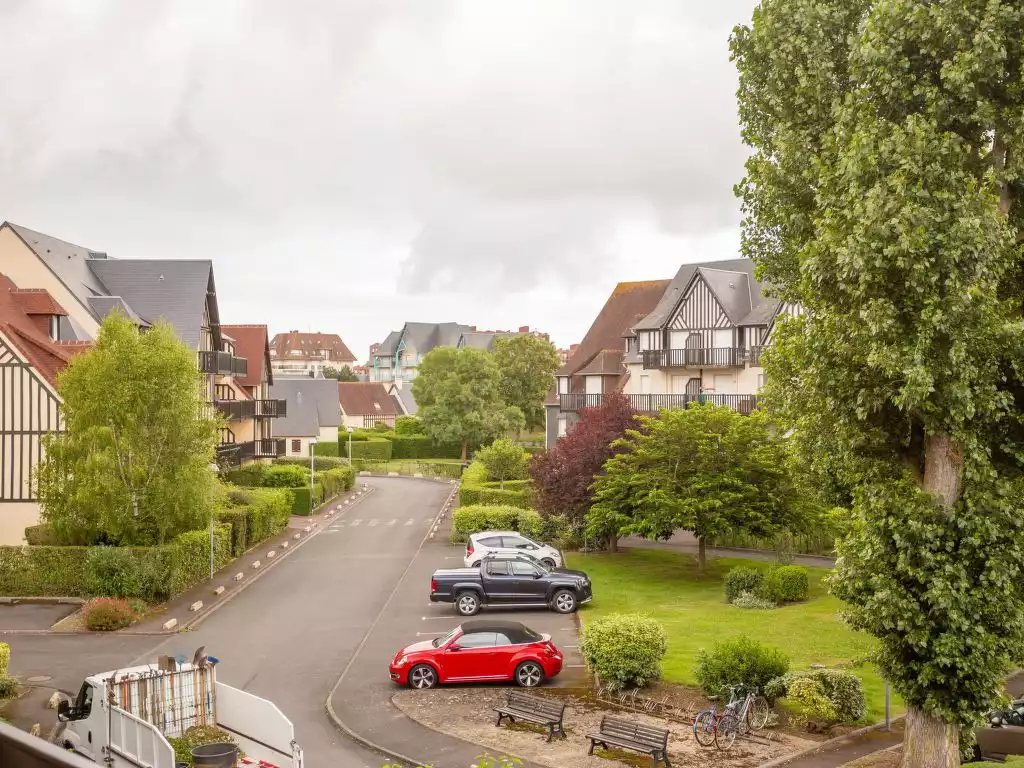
(288, 636)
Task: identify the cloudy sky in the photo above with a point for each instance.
(353, 164)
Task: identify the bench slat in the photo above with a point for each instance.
(648, 736)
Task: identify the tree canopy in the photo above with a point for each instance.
(504, 459)
(705, 469)
(133, 464)
(882, 196)
(527, 364)
(459, 400)
(345, 373)
(562, 475)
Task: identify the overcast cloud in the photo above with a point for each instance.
(353, 164)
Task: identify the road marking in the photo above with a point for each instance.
(355, 523)
(575, 666)
(332, 530)
(432, 618)
(410, 521)
(570, 646)
(428, 521)
(372, 523)
(431, 634)
(392, 522)
(453, 557)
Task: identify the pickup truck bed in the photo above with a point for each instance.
(502, 583)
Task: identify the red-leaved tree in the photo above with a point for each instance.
(562, 476)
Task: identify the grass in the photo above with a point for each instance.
(692, 608)
(448, 468)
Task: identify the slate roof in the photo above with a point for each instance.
(628, 303)
(390, 344)
(424, 337)
(251, 343)
(283, 344)
(101, 306)
(483, 339)
(409, 404)
(172, 290)
(607, 362)
(360, 398)
(312, 404)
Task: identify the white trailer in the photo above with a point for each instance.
(124, 717)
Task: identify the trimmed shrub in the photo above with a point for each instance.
(238, 519)
(187, 559)
(742, 579)
(335, 481)
(300, 499)
(811, 704)
(752, 601)
(114, 572)
(239, 497)
(419, 447)
(624, 650)
(473, 519)
(249, 476)
(285, 476)
(740, 661)
(107, 614)
(43, 571)
(5, 658)
(786, 584)
(408, 425)
(320, 463)
(40, 536)
(268, 514)
(475, 488)
(843, 688)
(373, 448)
(381, 426)
(9, 687)
(326, 449)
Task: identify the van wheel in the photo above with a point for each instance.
(564, 601)
(467, 604)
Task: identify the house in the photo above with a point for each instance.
(485, 339)
(307, 354)
(404, 401)
(700, 340)
(364, 404)
(245, 402)
(397, 358)
(313, 411)
(31, 356)
(88, 285)
(597, 367)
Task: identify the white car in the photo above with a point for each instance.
(486, 542)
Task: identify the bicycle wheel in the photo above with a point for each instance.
(757, 713)
(704, 728)
(725, 733)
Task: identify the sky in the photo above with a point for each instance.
(350, 165)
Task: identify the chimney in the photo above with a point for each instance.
(524, 329)
(472, 327)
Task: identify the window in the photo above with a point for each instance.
(54, 328)
(502, 639)
(517, 542)
(563, 385)
(520, 568)
(762, 379)
(478, 640)
(296, 446)
(563, 426)
(497, 568)
(491, 541)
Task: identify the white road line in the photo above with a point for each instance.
(433, 618)
(453, 557)
(392, 522)
(332, 530)
(356, 522)
(431, 634)
(575, 666)
(570, 646)
(428, 521)
(410, 521)
(372, 523)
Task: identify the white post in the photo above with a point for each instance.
(312, 473)
(887, 713)
(215, 470)
(350, 431)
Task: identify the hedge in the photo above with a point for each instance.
(335, 481)
(320, 463)
(477, 489)
(424, 467)
(43, 571)
(421, 447)
(249, 476)
(326, 449)
(476, 518)
(40, 535)
(373, 448)
(300, 499)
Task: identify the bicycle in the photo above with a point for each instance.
(750, 711)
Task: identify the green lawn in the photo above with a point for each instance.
(693, 610)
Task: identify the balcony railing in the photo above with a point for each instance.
(703, 357)
(235, 454)
(754, 356)
(653, 403)
(222, 363)
(252, 409)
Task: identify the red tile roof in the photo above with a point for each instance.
(37, 301)
(309, 345)
(251, 343)
(362, 398)
(48, 357)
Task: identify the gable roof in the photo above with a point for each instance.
(37, 301)
(607, 362)
(628, 303)
(48, 357)
(365, 398)
(424, 337)
(312, 403)
(283, 344)
(101, 306)
(483, 339)
(404, 394)
(390, 344)
(251, 343)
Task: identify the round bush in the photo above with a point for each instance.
(752, 601)
(740, 661)
(786, 584)
(841, 687)
(107, 614)
(285, 476)
(742, 579)
(113, 572)
(624, 650)
(811, 703)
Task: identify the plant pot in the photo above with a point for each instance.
(221, 755)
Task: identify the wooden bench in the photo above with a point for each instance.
(533, 709)
(619, 732)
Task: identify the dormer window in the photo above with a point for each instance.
(54, 328)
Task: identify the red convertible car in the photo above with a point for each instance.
(479, 651)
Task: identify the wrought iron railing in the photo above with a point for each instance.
(745, 404)
(222, 363)
(233, 454)
(252, 409)
(701, 357)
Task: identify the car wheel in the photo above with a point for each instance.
(564, 601)
(476, 564)
(422, 676)
(529, 674)
(467, 604)
(547, 562)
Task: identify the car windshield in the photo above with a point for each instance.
(437, 642)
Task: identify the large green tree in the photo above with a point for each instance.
(133, 464)
(457, 391)
(705, 469)
(882, 196)
(345, 373)
(527, 364)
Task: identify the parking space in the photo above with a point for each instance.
(33, 616)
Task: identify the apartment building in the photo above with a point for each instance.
(307, 354)
(397, 358)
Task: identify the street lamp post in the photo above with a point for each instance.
(350, 430)
(312, 472)
(216, 470)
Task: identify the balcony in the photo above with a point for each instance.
(701, 357)
(653, 403)
(234, 410)
(755, 355)
(222, 363)
(235, 454)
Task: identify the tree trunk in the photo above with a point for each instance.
(465, 449)
(612, 543)
(701, 554)
(943, 468)
(929, 742)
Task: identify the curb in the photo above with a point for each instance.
(42, 600)
(830, 744)
(329, 705)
